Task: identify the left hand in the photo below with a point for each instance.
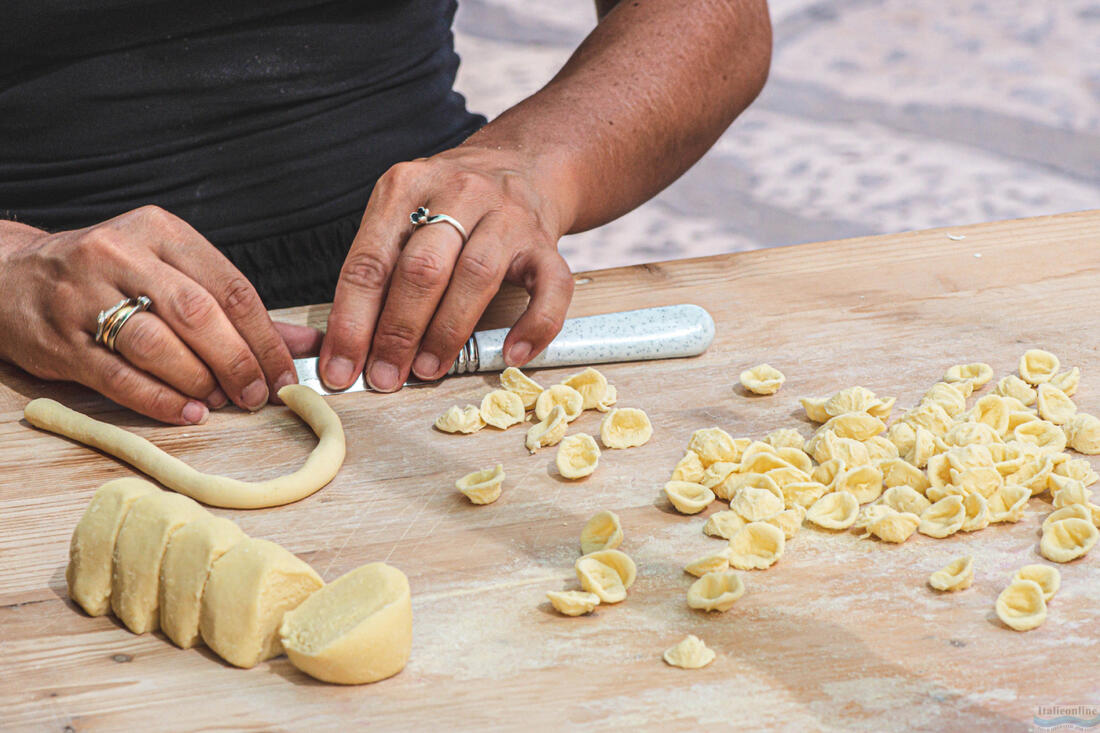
(408, 299)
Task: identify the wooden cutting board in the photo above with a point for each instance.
(841, 633)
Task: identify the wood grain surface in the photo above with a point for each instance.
(841, 634)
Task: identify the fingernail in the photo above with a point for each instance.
(254, 395)
(194, 413)
(518, 354)
(383, 376)
(216, 399)
(338, 373)
(425, 365)
(284, 379)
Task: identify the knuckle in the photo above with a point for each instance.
(155, 216)
(142, 340)
(546, 324)
(365, 271)
(400, 175)
(423, 270)
(194, 308)
(397, 336)
(240, 365)
(479, 267)
(118, 379)
(239, 297)
(449, 334)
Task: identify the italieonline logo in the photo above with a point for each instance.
(1067, 717)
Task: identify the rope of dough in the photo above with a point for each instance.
(320, 467)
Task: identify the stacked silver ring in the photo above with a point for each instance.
(110, 321)
(422, 217)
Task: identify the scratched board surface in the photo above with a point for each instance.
(842, 633)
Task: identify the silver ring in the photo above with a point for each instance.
(111, 321)
(422, 217)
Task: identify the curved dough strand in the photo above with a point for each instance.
(320, 467)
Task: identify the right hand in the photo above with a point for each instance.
(206, 339)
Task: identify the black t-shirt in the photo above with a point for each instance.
(262, 123)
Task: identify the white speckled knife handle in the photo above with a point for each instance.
(650, 333)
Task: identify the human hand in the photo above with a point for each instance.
(206, 337)
(408, 299)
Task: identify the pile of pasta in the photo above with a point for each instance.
(947, 465)
(553, 408)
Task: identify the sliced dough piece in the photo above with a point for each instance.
(627, 427)
(1067, 539)
(1048, 578)
(894, 526)
(513, 380)
(1067, 381)
(690, 653)
(1083, 433)
(573, 602)
(578, 456)
(502, 409)
(905, 499)
(248, 590)
(91, 550)
(319, 468)
(610, 397)
(1038, 366)
(1021, 605)
(1013, 386)
(1054, 405)
(723, 524)
(1080, 511)
(607, 573)
(862, 482)
(356, 629)
(570, 400)
(788, 520)
(836, 510)
(756, 546)
(463, 420)
(754, 505)
(690, 468)
(715, 562)
(977, 374)
(763, 379)
(482, 487)
(549, 431)
(688, 497)
(191, 552)
(944, 518)
(591, 384)
(1008, 504)
(602, 532)
(139, 550)
(715, 591)
(956, 575)
(713, 445)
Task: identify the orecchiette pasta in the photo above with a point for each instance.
(713, 445)
(1008, 504)
(977, 512)
(929, 416)
(984, 480)
(756, 546)
(1038, 366)
(573, 602)
(905, 499)
(956, 575)
(549, 431)
(826, 473)
(977, 374)
(789, 521)
(690, 653)
(947, 396)
(785, 438)
(761, 463)
(715, 591)
(688, 497)
(1068, 539)
(862, 482)
(755, 504)
(797, 458)
(724, 524)
(879, 448)
(715, 562)
(836, 510)
(607, 573)
(852, 399)
(1078, 468)
(690, 468)
(1054, 405)
(855, 425)
(1021, 605)
(1083, 433)
(815, 408)
(991, 410)
(570, 400)
(890, 525)
(1044, 435)
(1045, 576)
(1013, 386)
(803, 494)
(460, 420)
(482, 487)
(602, 532)
(763, 379)
(897, 472)
(592, 386)
(502, 409)
(628, 427)
(514, 380)
(944, 518)
(1068, 491)
(1067, 381)
(578, 455)
(1080, 511)
(610, 397)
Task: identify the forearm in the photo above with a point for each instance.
(642, 99)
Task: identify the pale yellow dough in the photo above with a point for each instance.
(1048, 578)
(1068, 539)
(713, 563)
(457, 419)
(763, 379)
(514, 380)
(592, 386)
(715, 591)
(756, 546)
(573, 602)
(1021, 605)
(502, 409)
(548, 431)
(318, 470)
(688, 497)
(571, 401)
(956, 575)
(607, 573)
(248, 590)
(690, 653)
(482, 487)
(354, 630)
(627, 427)
(577, 456)
(91, 550)
(602, 532)
(836, 510)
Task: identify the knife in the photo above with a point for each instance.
(666, 332)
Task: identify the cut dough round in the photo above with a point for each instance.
(1083, 433)
(318, 470)
(715, 562)
(610, 397)
(592, 386)
(1067, 381)
(713, 445)
(788, 520)
(723, 524)
(956, 575)
(514, 380)
(1054, 405)
(1048, 578)
(573, 602)
(715, 591)
(690, 468)
(687, 497)
(894, 526)
(1013, 386)
(139, 550)
(502, 409)
(1021, 605)
(754, 505)
(905, 499)
(570, 400)
(628, 427)
(1038, 366)
(1064, 540)
(690, 653)
(191, 552)
(944, 518)
(862, 482)
(457, 419)
(578, 456)
(248, 590)
(836, 510)
(482, 487)
(1008, 504)
(1079, 511)
(785, 438)
(764, 379)
(756, 546)
(549, 431)
(356, 629)
(602, 532)
(607, 573)
(977, 374)
(91, 550)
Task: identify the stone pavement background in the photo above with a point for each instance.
(879, 116)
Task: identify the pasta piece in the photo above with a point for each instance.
(764, 379)
(879, 448)
(716, 476)
(902, 435)
(787, 475)
(789, 521)
(922, 449)
(728, 488)
(1008, 504)
(973, 433)
(802, 494)
(1078, 468)
(548, 431)
(1045, 576)
(992, 410)
(881, 407)
(815, 408)
(460, 420)
(756, 546)
(948, 396)
(762, 463)
(610, 397)
(607, 573)
(826, 473)
(1083, 434)
(755, 504)
(983, 480)
(848, 451)
(690, 653)
(894, 526)
(905, 499)
(931, 417)
(687, 497)
(1069, 491)
(1021, 605)
(1054, 405)
(1038, 366)
(592, 386)
(1013, 386)
(944, 518)
(977, 374)
(785, 438)
(715, 592)
(897, 472)
(514, 380)
(1080, 511)
(502, 409)
(956, 575)
(602, 532)
(1067, 381)
(573, 602)
(1068, 539)
(862, 482)
(715, 562)
(852, 399)
(977, 513)
(578, 456)
(568, 398)
(628, 427)
(713, 445)
(724, 524)
(690, 468)
(797, 458)
(855, 425)
(837, 510)
(482, 487)
(1046, 436)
